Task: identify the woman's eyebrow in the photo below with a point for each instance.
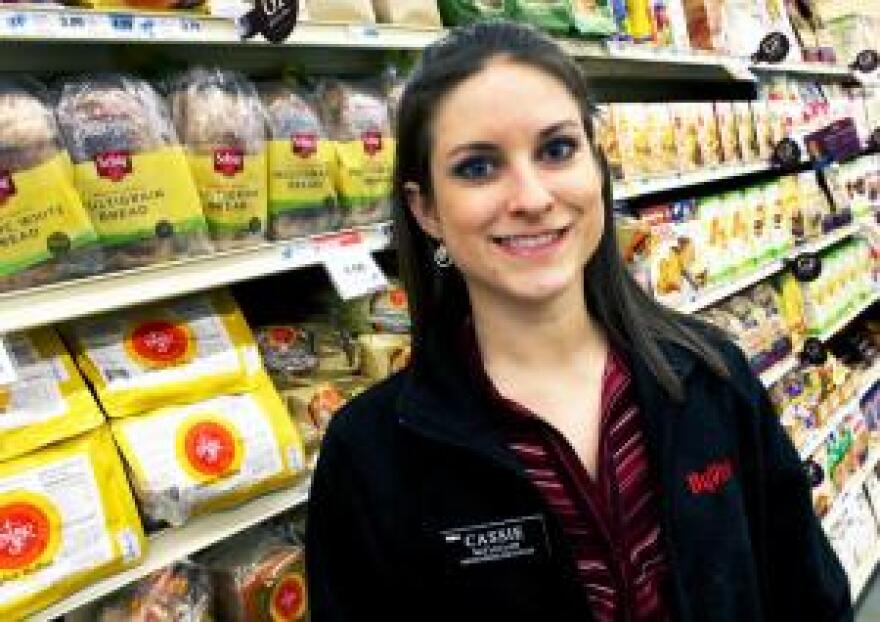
(549, 131)
(478, 146)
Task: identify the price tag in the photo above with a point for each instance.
(16, 24)
(73, 26)
(299, 252)
(121, 24)
(365, 32)
(144, 27)
(8, 375)
(807, 267)
(354, 272)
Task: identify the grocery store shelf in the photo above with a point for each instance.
(73, 299)
(826, 241)
(850, 316)
(675, 182)
(858, 580)
(850, 488)
(717, 294)
(174, 544)
(772, 375)
(804, 69)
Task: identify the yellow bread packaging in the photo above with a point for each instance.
(187, 460)
(67, 520)
(48, 401)
(175, 352)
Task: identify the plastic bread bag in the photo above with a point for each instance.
(179, 351)
(358, 120)
(220, 121)
(383, 312)
(349, 11)
(131, 171)
(48, 401)
(259, 576)
(417, 13)
(297, 354)
(384, 354)
(215, 454)
(67, 520)
(302, 162)
(458, 12)
(181, 592)
(45, 232)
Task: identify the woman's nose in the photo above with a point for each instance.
(529, 193)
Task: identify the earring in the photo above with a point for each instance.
(441, 256)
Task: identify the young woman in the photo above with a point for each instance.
(561, 447)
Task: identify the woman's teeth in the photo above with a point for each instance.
(530, 241)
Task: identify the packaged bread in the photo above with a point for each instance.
(48, 401)
(131, 171)
(312, 406)
(220, 121)
(173, 352)
(357, 119)
(408, 12)
(349, 11)
(214, 454)
(148, 5)
(295, 355)
(302, 164)
(45, 232)
(384, 354)
(67, 520)
(383, 312)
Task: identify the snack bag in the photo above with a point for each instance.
(68, 520)
(219, 119)
(130, 171)
(554, 16)
(187, 460)
(419, 13)
(45, 232)
(745, 132)
(48, 401)
(351, 11)
(358, 121)
(174, 352)
(302, 165)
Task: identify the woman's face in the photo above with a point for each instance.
(517, 191)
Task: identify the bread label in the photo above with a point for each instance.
(300, 174)
(228, 161)
(288, 599)
(209, 447)
(29, 532)
(304, 145)
(7, 186)
(113, 165)
(233, 188)
(365, 169)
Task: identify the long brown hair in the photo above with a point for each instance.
(439, 301)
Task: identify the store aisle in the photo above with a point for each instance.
(869, 608)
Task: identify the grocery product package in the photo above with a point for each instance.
(357, 118)
(554, 16)
(148, 5)
(350, 11)
(705, 24)
(729, 137)
(259, 576)
(685, 123)
(131, 171)
(220, 121)
(295, 355)
(46, 234)
(383, 312)
(68, 520)
(408, 12)
(633, 136)
(48, 401)
(183, 591)
(174, 352)
(458, 12)
(188, 460)
(302, 165)
(591, 18)
(606, 138)
(383, 354)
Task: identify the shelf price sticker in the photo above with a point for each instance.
(16, 24)
(121, 24)
(299, 252)
(354, 272)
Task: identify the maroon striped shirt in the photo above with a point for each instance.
(612, 522)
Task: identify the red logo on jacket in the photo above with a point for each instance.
(7, 186)
(114, 165)
(228, 161)
(710, 479)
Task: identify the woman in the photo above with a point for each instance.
(561, 447)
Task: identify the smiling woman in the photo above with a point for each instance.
(561, 447)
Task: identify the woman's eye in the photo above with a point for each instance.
(475, 168)
(558, 149)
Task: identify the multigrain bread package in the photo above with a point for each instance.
(422, 13)
(131, 171)
(302, 164)
(358, 120)
(46, 234)
(220, 121)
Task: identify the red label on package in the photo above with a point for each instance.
(289, 599)
(113, 165)
(7, 186)
(228, 161)
(210, 448)
(372, 142)
(161, 342)
(24, 535)
(304, 145)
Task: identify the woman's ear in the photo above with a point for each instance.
(423, 210)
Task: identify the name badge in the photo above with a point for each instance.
(521, 537)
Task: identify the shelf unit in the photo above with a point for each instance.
(852, 487)
(772, 375)
(855, 311)
(858, 580)
(675, 182)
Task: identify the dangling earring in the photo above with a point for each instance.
(441, 256)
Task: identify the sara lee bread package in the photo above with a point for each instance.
(185, 460)
(48, 401)
(131, 171)
(67, 519)
(220, 121)
(170, 353)
(45, 233)
(302, 162)
(357, 119)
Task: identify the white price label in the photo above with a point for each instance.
(298, 252)
(16, 24)
(366, 32)
(121, 24)
(354, 272)
(8, 375)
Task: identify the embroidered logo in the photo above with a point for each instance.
(710, 479)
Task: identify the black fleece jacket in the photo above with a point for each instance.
(419, 512)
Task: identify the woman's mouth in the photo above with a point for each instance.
(531, 245)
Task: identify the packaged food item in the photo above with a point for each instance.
(457, 12)
(554, 16)
(183, 591)
(218, 453)
(661, 137)
(707, 134)
(174, 352)
(48, 401)
(219, 119)
(687, 136)
(148, 5)
(592, 19)
(631, 128)
(130, 171)
(312, 405)
(606, 137)
(729, 138)
(384, 354)
(350, 11)
(715, 225)
(736, 208)
(259, 577)
(408, 12)
(705, 24)
(68, 520)
(296, 355)
(45, 232)
(745, 130)
(763, 133)
(794, 215)
(358, 121)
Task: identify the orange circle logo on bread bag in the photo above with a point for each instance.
(209, 448)
(326, 401)
(30, 531)
(160, 343)
(288, 600)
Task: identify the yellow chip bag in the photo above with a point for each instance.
(186, 460)
(67, 519)
(175, 352)
(49, 400)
